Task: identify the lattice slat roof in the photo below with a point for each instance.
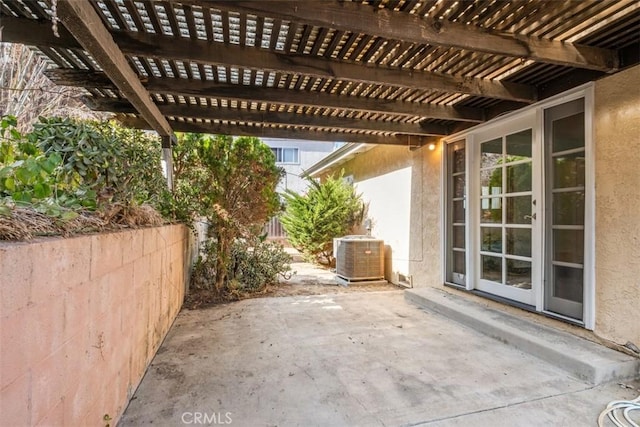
(383, 71)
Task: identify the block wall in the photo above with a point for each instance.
(81, 318)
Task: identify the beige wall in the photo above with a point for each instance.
(617, 205)
(617, 163)
(81, 318)
(402, 188)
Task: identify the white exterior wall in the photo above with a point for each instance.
(402, 191)
(389, 209)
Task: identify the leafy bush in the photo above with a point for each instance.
(29, 177)
(312, 220)
(138, 173)
(254, 264)
(89, 157)
(204, 269)
(189, 176)
(115, 163)
(65, 168)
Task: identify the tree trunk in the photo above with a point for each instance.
(222, 260)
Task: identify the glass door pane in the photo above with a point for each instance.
(565, 209)
(456, 213)
(506, 215)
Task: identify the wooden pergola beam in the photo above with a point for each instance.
(287, 133)
(272, 117)
(177, 87)
(82, 21)
(360, 18)
(249, 57)
(204, 52)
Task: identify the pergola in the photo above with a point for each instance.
(373, 71)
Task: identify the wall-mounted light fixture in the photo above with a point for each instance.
(431, 146)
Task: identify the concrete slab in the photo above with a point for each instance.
(358, 359)
(586, 360)
(295, 255)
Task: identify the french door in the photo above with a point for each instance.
(516, 210)
(505, 205)
(565, 209)
(456, 213)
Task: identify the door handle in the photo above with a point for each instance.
(532, 217)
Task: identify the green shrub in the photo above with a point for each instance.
(254, 264)
(117, 164)
(66, 169)
(30, 178)
(204, 269)
(89, 157)
(329, 209)
(139, 177)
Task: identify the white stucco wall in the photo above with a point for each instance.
(389, 209)
(402, 190)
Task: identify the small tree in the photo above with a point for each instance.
(328, 210)
(231, 182)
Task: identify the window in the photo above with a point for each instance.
(286, 155)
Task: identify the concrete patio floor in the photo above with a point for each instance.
(357, 359)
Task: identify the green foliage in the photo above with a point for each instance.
(254, 265)
(204, 269)
(138, 174)
(190, 178)
(104, 158)
(232, 183)
(328, 210)
(239, 176)
(89, 157)
(28, 176)
(64, 166)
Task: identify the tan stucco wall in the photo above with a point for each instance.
(617, 164)
(415, 239)
(616, 127)
(81, 318)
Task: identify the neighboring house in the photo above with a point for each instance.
(538, 208)
(295, 156)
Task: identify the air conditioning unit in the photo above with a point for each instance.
(359, 258)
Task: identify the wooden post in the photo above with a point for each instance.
(167, 157)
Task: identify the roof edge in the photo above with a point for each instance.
(336, 158)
